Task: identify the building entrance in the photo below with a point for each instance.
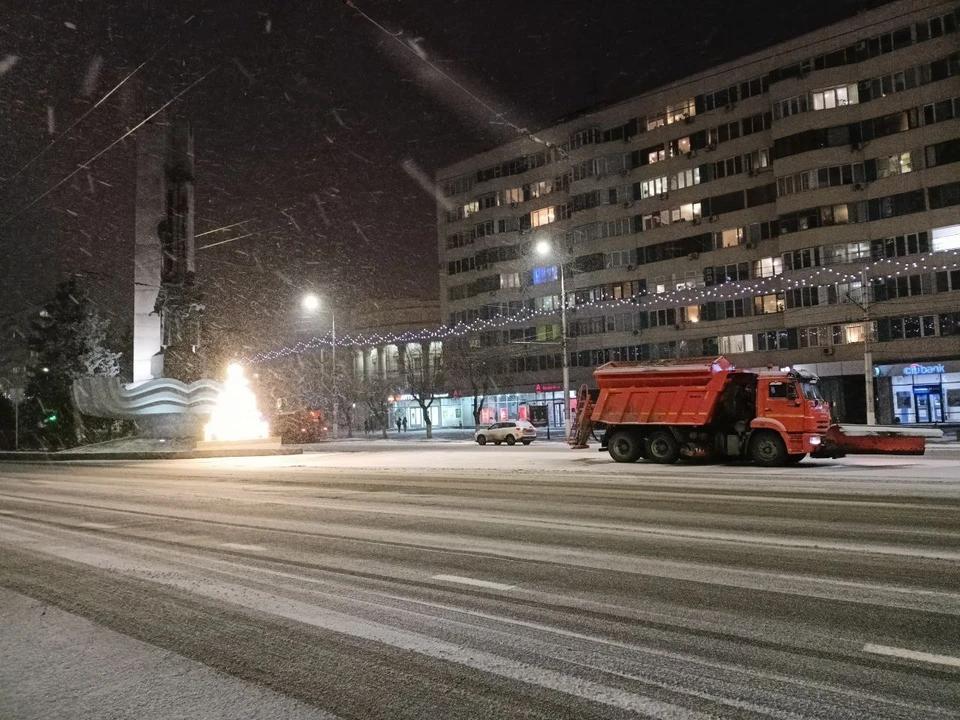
(928, 402)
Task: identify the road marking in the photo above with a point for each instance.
(97, 526)
(472, 581)
(241, 546)
(911, 655)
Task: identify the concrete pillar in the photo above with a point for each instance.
(150, 212)
(427, 360)
(366, 364)
(357, 363)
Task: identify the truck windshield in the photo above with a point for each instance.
(811, 391)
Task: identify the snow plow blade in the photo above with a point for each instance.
(843, 440)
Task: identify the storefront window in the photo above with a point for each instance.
(924, 393)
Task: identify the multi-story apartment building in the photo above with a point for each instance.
(781, 209)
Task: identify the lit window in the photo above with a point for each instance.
(656, 186)
(513, 196)
(946, 238)
(765, 304)
(539, 189)
(735, 343)
(689, 211)
(545, 274)
(830, 98)
(509, 280)
(768, 267)
(732, 237)
(471, 208)
(692, 313)
(685, 178)
(853, 333)
(681, 111)
(543, 216)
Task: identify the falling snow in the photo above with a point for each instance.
(7, 63)
(91, 76)
(317, 139)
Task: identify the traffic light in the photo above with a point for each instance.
(51, 417)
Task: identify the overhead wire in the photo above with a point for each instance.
(83, 117)
(128, 133)
(524, 132)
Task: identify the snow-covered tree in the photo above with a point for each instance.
(69, 341)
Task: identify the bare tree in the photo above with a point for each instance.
(349, 391)
(425, 380)
(374, 393)
(471, 367)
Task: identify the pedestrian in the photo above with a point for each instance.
(399, 423)
(404, 423)
(366, 427)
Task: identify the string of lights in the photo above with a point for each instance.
(885, 268)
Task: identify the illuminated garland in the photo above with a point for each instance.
(806, 277)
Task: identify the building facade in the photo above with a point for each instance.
(798, 206)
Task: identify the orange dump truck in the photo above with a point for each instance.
(707, 408)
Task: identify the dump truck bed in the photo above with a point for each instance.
(670, 393)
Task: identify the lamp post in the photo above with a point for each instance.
(311, 303)
(867, 353)
(544, 248)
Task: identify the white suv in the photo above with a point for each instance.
(509, 432)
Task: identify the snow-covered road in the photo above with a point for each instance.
(413, 580)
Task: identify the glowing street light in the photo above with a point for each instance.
(311, 303)
(545, 248)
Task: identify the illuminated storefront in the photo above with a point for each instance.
(919, 393)
(454, 410)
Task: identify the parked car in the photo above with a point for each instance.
(509, 432)
(300, 426)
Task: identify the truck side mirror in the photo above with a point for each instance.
(791, 392)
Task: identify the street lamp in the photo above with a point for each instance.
(544, 248)
(311, 303)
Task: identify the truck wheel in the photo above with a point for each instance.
(767, 450)
(625, 447)
(662, 448)
(794, 458)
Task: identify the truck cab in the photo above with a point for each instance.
(790, 405)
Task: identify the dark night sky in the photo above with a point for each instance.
(309, 106)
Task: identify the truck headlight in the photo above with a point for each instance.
(815, 440)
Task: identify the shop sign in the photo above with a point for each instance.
(548, 388)
(918, 369)
(407, 396)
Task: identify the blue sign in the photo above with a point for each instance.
(918, 369)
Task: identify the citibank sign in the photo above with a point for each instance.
(918, 369)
